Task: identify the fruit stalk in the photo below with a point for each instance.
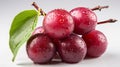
(99, 8)
(39, 9)
(107, 21)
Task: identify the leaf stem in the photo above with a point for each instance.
(99, 8)
(107, 21)
(39, 9)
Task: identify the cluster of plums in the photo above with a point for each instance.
(72, 35)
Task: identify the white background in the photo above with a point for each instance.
(9, 8)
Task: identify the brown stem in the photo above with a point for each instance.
(39, 9)
(99, 8)
(107, 21)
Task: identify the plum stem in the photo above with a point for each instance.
(99, 8)
(39, 9)
(107, 21)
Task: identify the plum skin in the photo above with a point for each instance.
(39, 29)
(96, 43)
(72, 49)
(58, 24)
(85, 20)
(40, 49)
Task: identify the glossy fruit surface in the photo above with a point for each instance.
(58, 24)
(72, 49)
(96, 43)
(40, 49)
(38, 30)
(85, 20)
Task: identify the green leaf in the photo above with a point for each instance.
(21, 29)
